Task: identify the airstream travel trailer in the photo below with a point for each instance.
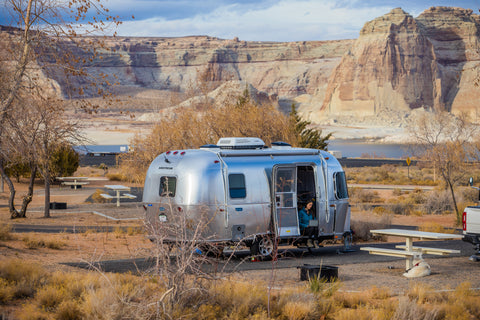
(249, 193)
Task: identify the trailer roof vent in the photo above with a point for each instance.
(241, 143)
(281, 145)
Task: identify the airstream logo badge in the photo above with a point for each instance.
(162, 218)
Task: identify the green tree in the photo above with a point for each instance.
(64, 161)
(17, 169)
(307, 137)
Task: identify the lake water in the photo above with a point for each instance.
(348, 148)
(359, 148)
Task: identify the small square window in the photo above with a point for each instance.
(168, 186)
(236, 183)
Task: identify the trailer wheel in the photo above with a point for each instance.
(263, 246)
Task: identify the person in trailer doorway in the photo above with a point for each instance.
(304, 216)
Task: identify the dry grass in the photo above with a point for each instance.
(35, 243)
(97, 198)
(6, 232)
(435, 227)
(38, 294)
(389, 174)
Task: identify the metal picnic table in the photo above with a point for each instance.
(73, 181)
(118, 188)
(409, 251)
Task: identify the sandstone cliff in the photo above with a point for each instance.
(285, 70)
(404, 63)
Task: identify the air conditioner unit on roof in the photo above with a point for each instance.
(240, 143)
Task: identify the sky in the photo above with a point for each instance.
(257, 20)
(261, 20)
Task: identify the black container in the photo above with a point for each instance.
(58, 205)
(327, 273)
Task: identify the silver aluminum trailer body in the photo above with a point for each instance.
(248, 194)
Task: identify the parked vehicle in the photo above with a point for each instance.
(249, 194)
(471, 226)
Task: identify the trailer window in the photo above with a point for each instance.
(236, 184)
(168, 185)
(341, 190)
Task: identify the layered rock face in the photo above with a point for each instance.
(402, 63)
(399, 63)
(286, 70)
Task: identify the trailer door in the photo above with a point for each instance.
(285, 204)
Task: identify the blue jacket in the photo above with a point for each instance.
(303, 218)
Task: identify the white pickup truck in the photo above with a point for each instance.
(471, 229)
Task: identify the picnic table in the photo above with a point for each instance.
(118, 188)
(74, 182)
(409, 251)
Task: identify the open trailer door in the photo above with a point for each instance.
(285, 205)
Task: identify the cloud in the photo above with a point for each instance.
(260, 20)
(286, 20)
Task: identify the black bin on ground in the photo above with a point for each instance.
(58, 205)
(327, 273)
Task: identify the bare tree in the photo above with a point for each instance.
(52, 131)
(446, 141)
(17, 145)
(42, 42)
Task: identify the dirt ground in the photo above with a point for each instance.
(90, 246)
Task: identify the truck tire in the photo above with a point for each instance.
(263, 246)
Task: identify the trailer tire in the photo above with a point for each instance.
(263, 246)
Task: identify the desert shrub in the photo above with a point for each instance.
(437, 202)
(6, 291)
(23, 278)
(117, 177)
(297, 310)
(49, 297)
(409, 309)
(360, 195)
(35, 243)
(241, 299)
(401, 208)
(97, 198)
(397, 192)
(6, 232)
(69, 310)
(417, 196)
(361, 226)
(468, 195)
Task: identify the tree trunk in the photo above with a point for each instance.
(11, 187)
(459, 218)
(29, 197)
(46, 176)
